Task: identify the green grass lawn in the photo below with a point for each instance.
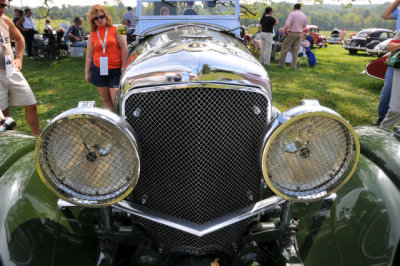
(58, 86)
(335, 81)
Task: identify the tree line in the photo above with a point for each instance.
(326, 17)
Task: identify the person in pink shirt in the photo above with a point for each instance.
(295, 24)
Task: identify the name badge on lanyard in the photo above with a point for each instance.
(9, 66)
(104, 58)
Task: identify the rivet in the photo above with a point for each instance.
(250, 195)
(144, 199)
(136, 113)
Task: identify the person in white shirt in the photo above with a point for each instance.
(27, 25)
(48, 27)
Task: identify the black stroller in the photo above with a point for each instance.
(62, 47)
(49, 46)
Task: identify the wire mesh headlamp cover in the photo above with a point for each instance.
(310, 156)
(88, 156)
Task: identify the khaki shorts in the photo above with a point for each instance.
(15, 90)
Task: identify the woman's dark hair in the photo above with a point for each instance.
(268, 10)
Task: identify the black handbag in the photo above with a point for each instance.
(393, 59)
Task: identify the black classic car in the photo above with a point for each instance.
(196, 167)
(368, 39)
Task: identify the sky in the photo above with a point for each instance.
(35, 3)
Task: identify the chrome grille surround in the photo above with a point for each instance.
(200, 148)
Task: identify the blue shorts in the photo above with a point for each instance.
(111, 80)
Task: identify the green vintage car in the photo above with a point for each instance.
(196, 167)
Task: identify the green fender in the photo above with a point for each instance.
(14, 145)
(361, 227)
(33, 230)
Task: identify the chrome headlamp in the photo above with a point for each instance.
(89, 157)
(309, 153)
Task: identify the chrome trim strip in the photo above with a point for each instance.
(365, 72)
(63, 204)
(356, 48)
(200, 229)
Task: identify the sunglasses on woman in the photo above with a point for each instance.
(3, 5)
(99, 17)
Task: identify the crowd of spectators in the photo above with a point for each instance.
(103, 64)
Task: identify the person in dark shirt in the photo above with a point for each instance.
(267, 22)
(18, 14)
(75, 33)
(189, 8)
(278, 40)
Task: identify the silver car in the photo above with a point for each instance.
(380, 49)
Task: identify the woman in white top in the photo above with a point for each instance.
(27, 26)
(48, 27)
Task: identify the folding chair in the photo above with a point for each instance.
(302, 57)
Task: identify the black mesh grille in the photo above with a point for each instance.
(171, 241)
(199, 150)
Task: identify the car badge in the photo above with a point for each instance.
(197, 46)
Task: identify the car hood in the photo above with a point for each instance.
(189, 53)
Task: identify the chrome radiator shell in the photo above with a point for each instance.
(199, 105)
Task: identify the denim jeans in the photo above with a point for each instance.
(392, 118)
(385, 93)
(80, 44)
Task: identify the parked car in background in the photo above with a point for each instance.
(334, 38)
(380, 49)
(317, 37)
(368, 39)
(196, 167)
